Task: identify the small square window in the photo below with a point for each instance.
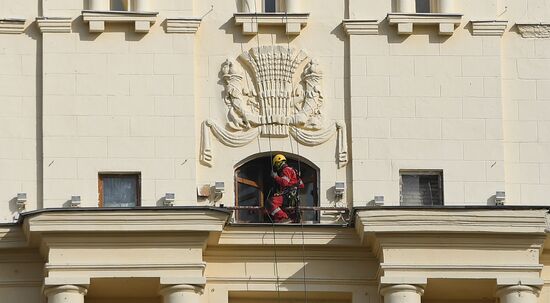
(421, 188)
(119, 190)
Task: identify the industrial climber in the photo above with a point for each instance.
(285, 195)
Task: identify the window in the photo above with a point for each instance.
(254, 186)
(421, 188)
(270, 6)
(119, 5)
(119, 190)
(423, 6)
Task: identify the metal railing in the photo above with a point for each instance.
(310, 215)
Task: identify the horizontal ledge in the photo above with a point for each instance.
(270, 18)
(12, 25)
(183, 25)
(360, 26)
(116, 16)
(54, 24)
(424, 18)
(488, 27)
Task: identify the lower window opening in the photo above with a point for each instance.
(256, 189)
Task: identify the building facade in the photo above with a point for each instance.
(137, 137)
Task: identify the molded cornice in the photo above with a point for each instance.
(54, 25)
(506, 221)
(489, 27)
(127, 220)
(12, 26)
(360, 26)
(183, 25)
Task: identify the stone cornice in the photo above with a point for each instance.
(360, 26)
(189, 219)
(289, 235)
(183, 25)
(488, 27)
(506, 221)
(12, 237)
(12, 26)
(54, 24)
(534, 30)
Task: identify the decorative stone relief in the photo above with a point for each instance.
(534, 30)
(273, 103)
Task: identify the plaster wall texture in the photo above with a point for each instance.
(118, 101)
(20, 145)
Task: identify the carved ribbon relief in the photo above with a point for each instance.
(273, 104)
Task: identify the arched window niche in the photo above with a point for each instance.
(254, 187)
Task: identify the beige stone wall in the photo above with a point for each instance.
(526, 107)
(427, 101)
(20, 104)
(118, 101)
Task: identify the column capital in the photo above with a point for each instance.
(73, 289)
(188, 288)
(410, 288)
(519, 288)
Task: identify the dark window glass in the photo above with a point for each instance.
(119, 190)
(423, 6)
(270, 6)
(119, 5)
(254, 187)
(421, 188)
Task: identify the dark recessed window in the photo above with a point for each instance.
(421, 188)
(423, 6)
(270, 6)
(254, 187)
(119, 190)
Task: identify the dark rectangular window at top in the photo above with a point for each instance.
(119, 190)
(270, 6)
(421, 188)
(423, 6)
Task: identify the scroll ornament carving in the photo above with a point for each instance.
(540, 30)
(274, 105)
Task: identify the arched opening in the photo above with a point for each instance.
(254, 188)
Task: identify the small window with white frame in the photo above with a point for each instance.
(421, 187)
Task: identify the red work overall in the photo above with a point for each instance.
(287, 178)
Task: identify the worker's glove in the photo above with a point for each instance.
(273, 174)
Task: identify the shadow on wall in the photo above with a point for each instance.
(79, 26)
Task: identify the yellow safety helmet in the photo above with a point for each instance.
(278, 161)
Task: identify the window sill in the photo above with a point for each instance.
(292, 21)
(97, 19)
(12, 26)
(405, 22)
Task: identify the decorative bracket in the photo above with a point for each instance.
(534, 30)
